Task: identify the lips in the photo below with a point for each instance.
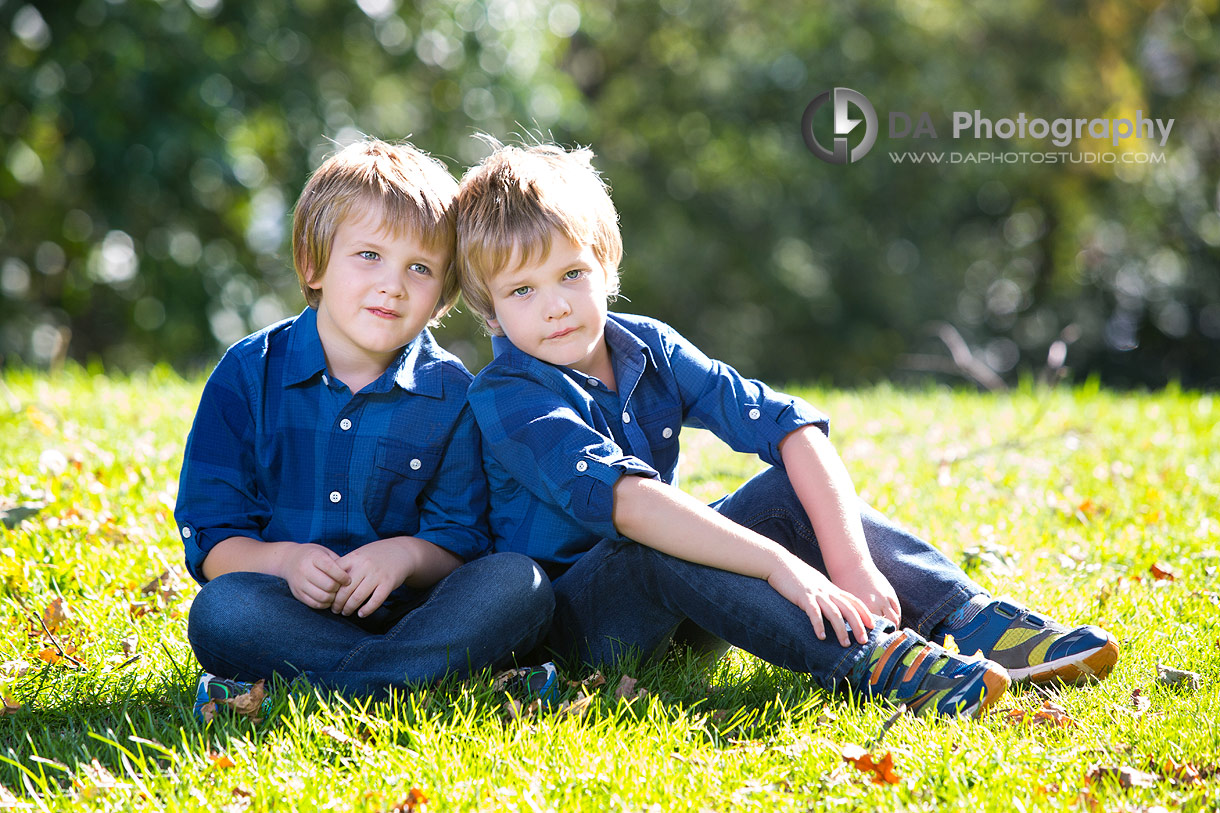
(559, 334)
(383, 313)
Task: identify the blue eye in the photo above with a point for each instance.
(575, 273)
(369, 255)
(420, 268)
(522, 291)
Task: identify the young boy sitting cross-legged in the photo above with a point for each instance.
(580, 412)
(332, 499)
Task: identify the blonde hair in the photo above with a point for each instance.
(511, 202)
(414, 192)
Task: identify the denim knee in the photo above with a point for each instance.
(517, 587)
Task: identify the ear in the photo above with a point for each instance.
(494, 326)
(312, 280)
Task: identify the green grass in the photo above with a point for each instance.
(1061, 498)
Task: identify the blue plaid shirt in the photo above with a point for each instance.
(555, 441)
(281, 451)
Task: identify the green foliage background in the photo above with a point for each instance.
(151, 152)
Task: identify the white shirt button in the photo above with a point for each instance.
(667, 433)
(755, 414)
(186, 532)
(345, 424)
(592, 382)
(335, 496)
(415, 464)
(582, 465)
(325, 379)
(626, 418)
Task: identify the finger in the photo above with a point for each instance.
(376, 600)
(333, 568)
(358, 596)
(311, 596)
(340, 597)
(815, 618)
(835, 616)
(896, 608)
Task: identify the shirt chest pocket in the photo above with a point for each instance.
(661, 428)
(400, 472)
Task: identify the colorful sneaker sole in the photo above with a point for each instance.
(1082, 667)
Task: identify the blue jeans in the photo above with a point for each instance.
(247, 626)
(622, 596)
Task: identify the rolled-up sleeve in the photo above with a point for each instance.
(453, 508)
(745, 413)
(552, 447)
(218, 495)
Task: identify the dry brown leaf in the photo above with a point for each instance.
(221, 761)
(1140, 702)
(55, 614)
(208, 711)
(249, 704)
(627, 689)
(578, 706)
(416, 801)
(53, 655)
(10, 706)
(880, 770)
(338, 735)
(1177, 677)
(1160, 571)
(14, 669)
(1049, 714)
(512, 709)
(242, 792)
(1126, 777)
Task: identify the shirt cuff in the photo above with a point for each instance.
(198, 544)
(593, 489)
(458, 541)
(776, 419)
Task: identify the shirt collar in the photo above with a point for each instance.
(409, 371)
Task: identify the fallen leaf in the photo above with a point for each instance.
(221, 761)
(53, 655)
(242, 792)
(10, 706)
(1140, 702)
(208, 711)
(1184, 774)
(627, 689)
(512, 709)
(414, 802)
(1177, 677)
(1126, 777)
(1160, 571)
(249, 704)
(578, 706)
(338, 735)
(55, 614)
(14, 669)
(129, 644)
(1049, 714)
(880, 770)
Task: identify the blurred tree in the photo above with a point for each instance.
(151, 150)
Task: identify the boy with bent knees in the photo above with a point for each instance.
(332, 486)
(580, 412)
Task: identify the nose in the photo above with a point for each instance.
(557, 307)
(392, 283)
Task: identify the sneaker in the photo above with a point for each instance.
(212, 688)
(1035, 649)
(904, 668)
(529, 683)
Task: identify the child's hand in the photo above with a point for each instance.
(375, 570)
(818, 596)
(314, 574)
(867, 584)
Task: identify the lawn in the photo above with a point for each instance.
(1096, 506)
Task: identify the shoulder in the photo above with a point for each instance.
(440, 362)
(658, 335)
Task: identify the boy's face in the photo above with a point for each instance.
(555, 308)
(379, 291)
